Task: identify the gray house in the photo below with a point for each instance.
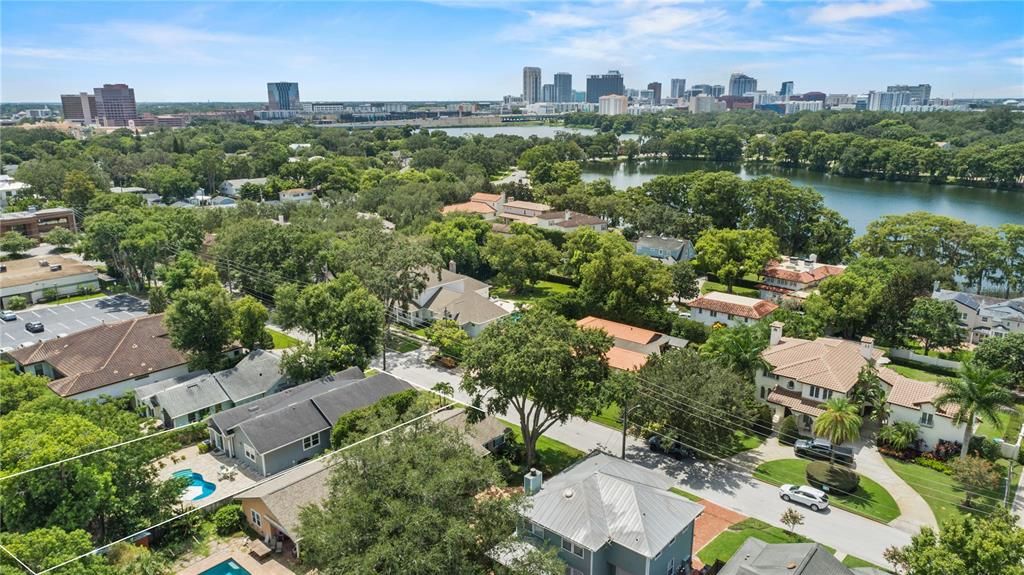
(611, 517)
(276, 432)
(668, 250)
(187, 399)
(755, 557)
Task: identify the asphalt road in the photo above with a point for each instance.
(69, 318)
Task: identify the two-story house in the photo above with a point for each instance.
(794, 277)
(729, 309)
(983, 316)
(450, 295)
(799, 375)
(233, 188)
(666, 250)
(633, 345)
(607, 516)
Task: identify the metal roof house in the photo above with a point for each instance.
(608, 516)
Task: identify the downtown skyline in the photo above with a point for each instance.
(467, 50)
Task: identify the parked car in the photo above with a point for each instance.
(8, 315)
(676, 450)
(34, 327)
(823, 449)
(816, 499)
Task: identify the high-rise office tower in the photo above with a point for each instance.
(283, 96)
(563, 87)
(701, 89)
(678, 86)
(547, 92)
(531, 84)
(740, 84)
(888, 101)
(919, 94)
(115, 104)
(656, 88)
(605, 85)
(718, 90)
(787, 89)
(79, 107)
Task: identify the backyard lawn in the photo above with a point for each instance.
(1007, 426)
(942, 493)
(728, 542)
(870, 499)
(534, 293)
(914, 373)
(710, 286)
(554, 455)
(402, 344)
(282, 340)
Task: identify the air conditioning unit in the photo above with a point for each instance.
(56, 268)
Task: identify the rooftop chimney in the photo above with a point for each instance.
(776, 336)
(532, 481)
(867, 347)
(451, 266)
(503, 198)
(812, 258)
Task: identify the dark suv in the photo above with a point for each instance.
(675, 450)
(34, 327)
(823, 449)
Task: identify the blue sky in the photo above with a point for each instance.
(469, 50)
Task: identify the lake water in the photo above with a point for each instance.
(858, 200)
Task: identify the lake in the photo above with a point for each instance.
(858, 200)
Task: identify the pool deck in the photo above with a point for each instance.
(240, 556)
(208, 465)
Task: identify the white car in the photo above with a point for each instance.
(816, 499)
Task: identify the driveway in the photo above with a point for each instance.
(69, 318)
(728, 483)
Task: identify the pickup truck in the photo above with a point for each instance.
(824, 450)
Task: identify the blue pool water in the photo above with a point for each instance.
(198, 487)
(229, 567)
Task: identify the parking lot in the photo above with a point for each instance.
(68, 318)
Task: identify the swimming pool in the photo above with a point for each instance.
(229, 567)
(198, 487)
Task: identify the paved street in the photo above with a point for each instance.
(69, 318)
(729, 485)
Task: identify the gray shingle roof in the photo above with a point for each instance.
(283, 426)
(671, 245)
(603, 498)
(191, 396)
(755, 557)
(145, 392)
(257, 373)
(356, 395)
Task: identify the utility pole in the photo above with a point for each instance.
(1006, 491)
(625, 424)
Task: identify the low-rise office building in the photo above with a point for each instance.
(36, 279)
(34, 223)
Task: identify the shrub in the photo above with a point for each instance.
(788, 431)
(1020, 456)
(17, 302)
(945, 450)
(228, 519)
(203, 447)
(762, 421)
(931, 463)
(898, 436)
(50, 294)
(984, 448)
(839, 479)
(690, 330)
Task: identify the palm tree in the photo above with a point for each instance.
(899, 435)
(738, 348)
(869, 392)
(840, 422)
(977, 392)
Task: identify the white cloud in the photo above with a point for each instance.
(561, 20)
(843, 11)
(754, 4)
(668, 20)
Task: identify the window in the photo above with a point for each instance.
(713, 313)
(571, 547)
(730, 316)
(250, 453)
(762, 393)
(310, 442)
(671, 567)
(256, 519)
(927, 419)
(790, 384)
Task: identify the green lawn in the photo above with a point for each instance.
(914, 373)
(1007, 426)
(942, 493)
(685, 494)
(611, 416)
(853, 562)
(282, 340)
(402, 344)
(870, 500)
(554, 455)
(710, 286)
(534, 293)
(74, 298)
(728, 542)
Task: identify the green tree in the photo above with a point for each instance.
(340, 309)
(840, 423)
(450, 339)
(975, 475)
(78, 190)
(626, 286)
(48, 547)
(583, 246)
(15, 244)
(731, 254)
(201, 323)
(251, 320)
(869, 393)
(899, 435)
(966, 545)
(541, 366)
(306, 362)
(251, 191)
(521, 259)
(459, 239)
(684, 280)
(791, 518)
(738, 348)
(1003, 353)
(62, 238)
(17, 389)
(936, 323)
(844, 302)
(978, 392)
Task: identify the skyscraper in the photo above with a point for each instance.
(604, 85)
(563, 87)
(718, 90)
(283, 96)
(79, 107)
(919, 94)
(656, 88)
(115, 104)
(531, 85)
(678, 87)
(740, 84)
(548, 93)
(787, 89)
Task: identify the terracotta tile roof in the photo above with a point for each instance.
(105, 354)
(816, 273)
(625, 359)
(912, 393)
(734, 304)
(619, 330)
(468, 208)
(524, 205)
(794, 401)
(484, 197)
(825, 362)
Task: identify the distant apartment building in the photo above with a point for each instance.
(833, 100)
(703, 104)
(547, 92)
(115, 104)
(610, 84)
(740, 84)
(919, 94)
(676, 87)
(612, 105)
(531, 85)
(34, 223)
(283, 96)
(787, 89)
(9, 189)
(793, 107)
(563, 87)
(887, 101)
(79, 107)
(656, 88)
